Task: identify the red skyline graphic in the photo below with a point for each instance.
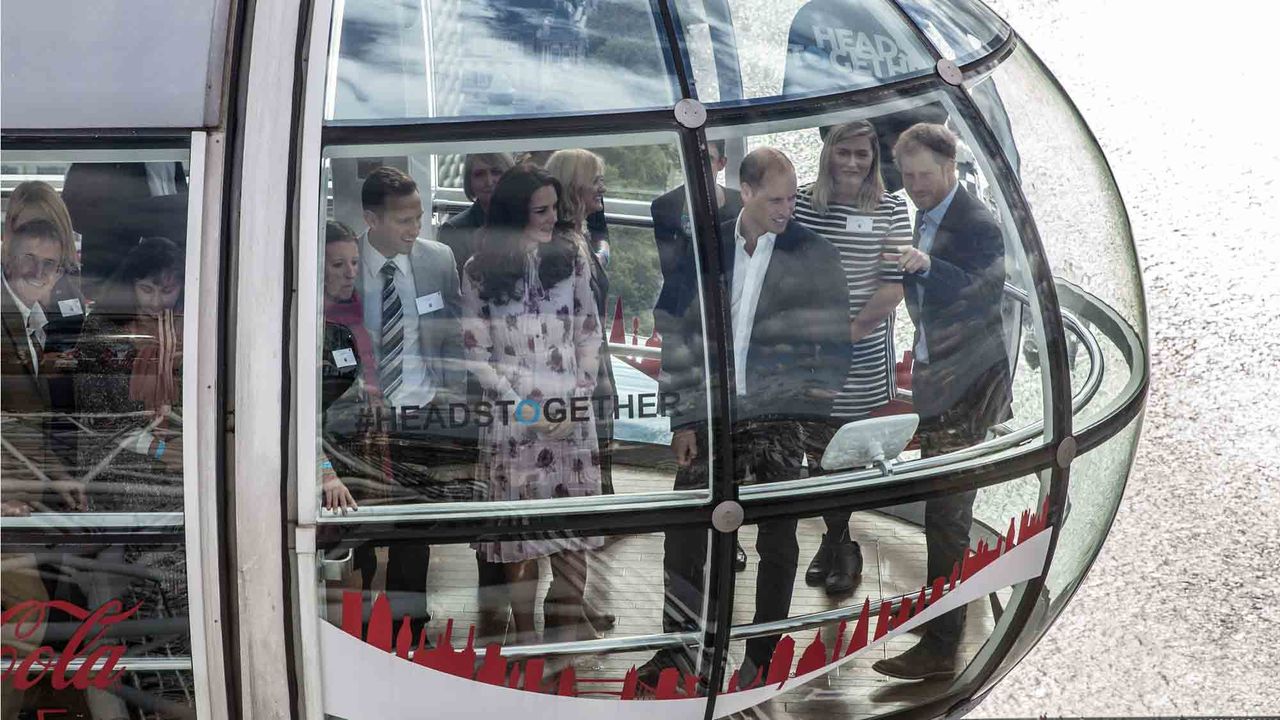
(528, 675)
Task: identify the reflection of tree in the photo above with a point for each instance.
(637, 173)
(621, 33)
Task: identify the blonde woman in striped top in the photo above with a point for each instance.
(848, 206)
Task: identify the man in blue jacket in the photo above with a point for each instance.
(961, 386)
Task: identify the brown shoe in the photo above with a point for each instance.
(918, 663)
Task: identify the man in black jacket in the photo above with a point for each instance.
(791, 348)
(961, 383)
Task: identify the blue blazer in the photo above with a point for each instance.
(959, 313)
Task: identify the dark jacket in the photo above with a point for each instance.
(799, 339)
(960, 313)
(671, 224)
(459, 233)
(111, 206)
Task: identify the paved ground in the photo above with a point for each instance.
(1181, 613)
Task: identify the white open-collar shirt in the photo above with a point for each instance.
(417, 389)
(748, 278)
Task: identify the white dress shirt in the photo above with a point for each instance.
(929, 221)
(417, 387)
(748, 277)
(33, 320)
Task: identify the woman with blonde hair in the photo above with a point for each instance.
(849, 207)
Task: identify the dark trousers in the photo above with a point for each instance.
(948, 519)
(762, 452)
(413, 460)
(816, 437)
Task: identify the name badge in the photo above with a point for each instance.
(430, 303)
(344, 357)
(858, 223)
(70, 307)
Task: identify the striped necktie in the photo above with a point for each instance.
(390, 370)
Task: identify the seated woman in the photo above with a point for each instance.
(531, 335)
(128, 385)
(848, 206)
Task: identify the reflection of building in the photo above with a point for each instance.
(242, 573)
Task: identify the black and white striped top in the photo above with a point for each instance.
(861, 238)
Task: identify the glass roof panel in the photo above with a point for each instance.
(961, 30)
(757, 49)
(416, 59)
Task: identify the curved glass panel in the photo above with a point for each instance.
(91, 412)
(961, 30)
(819, 576)
(567, 629)
(420, 59)
(447, 378)
(1097, 484)
(836, 328)
(1073, 197)
(745, 50)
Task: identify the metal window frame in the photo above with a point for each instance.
(196, 528)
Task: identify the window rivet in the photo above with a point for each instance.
(1066, 452)
(727, 516)
(949, 72)
(690, 113)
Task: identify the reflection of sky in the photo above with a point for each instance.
(524, 57)
(952, 30)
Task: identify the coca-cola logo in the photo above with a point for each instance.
(98, 669)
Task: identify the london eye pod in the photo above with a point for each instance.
(779, 418)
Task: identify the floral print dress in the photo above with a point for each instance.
(541, 349)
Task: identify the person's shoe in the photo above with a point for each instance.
(739, 558)
(649, 672)
(918, 663)
(600, 621)
(820, 566)
(846, 568)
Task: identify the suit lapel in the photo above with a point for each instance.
(15, 341)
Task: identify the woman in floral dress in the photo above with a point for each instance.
(531, 334)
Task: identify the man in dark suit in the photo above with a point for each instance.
(672, 229)
(480, 175)
(961, 383)
(412, 305)
(791, 348)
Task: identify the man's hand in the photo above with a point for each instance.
(72, 494)
(14, 508)
(910, 260)
(562, 430)
(685, 445)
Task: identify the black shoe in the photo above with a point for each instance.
(918, 663)
(649, 672)
(739, 558)
(600, 621)
(846, 568)
(820, 567)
